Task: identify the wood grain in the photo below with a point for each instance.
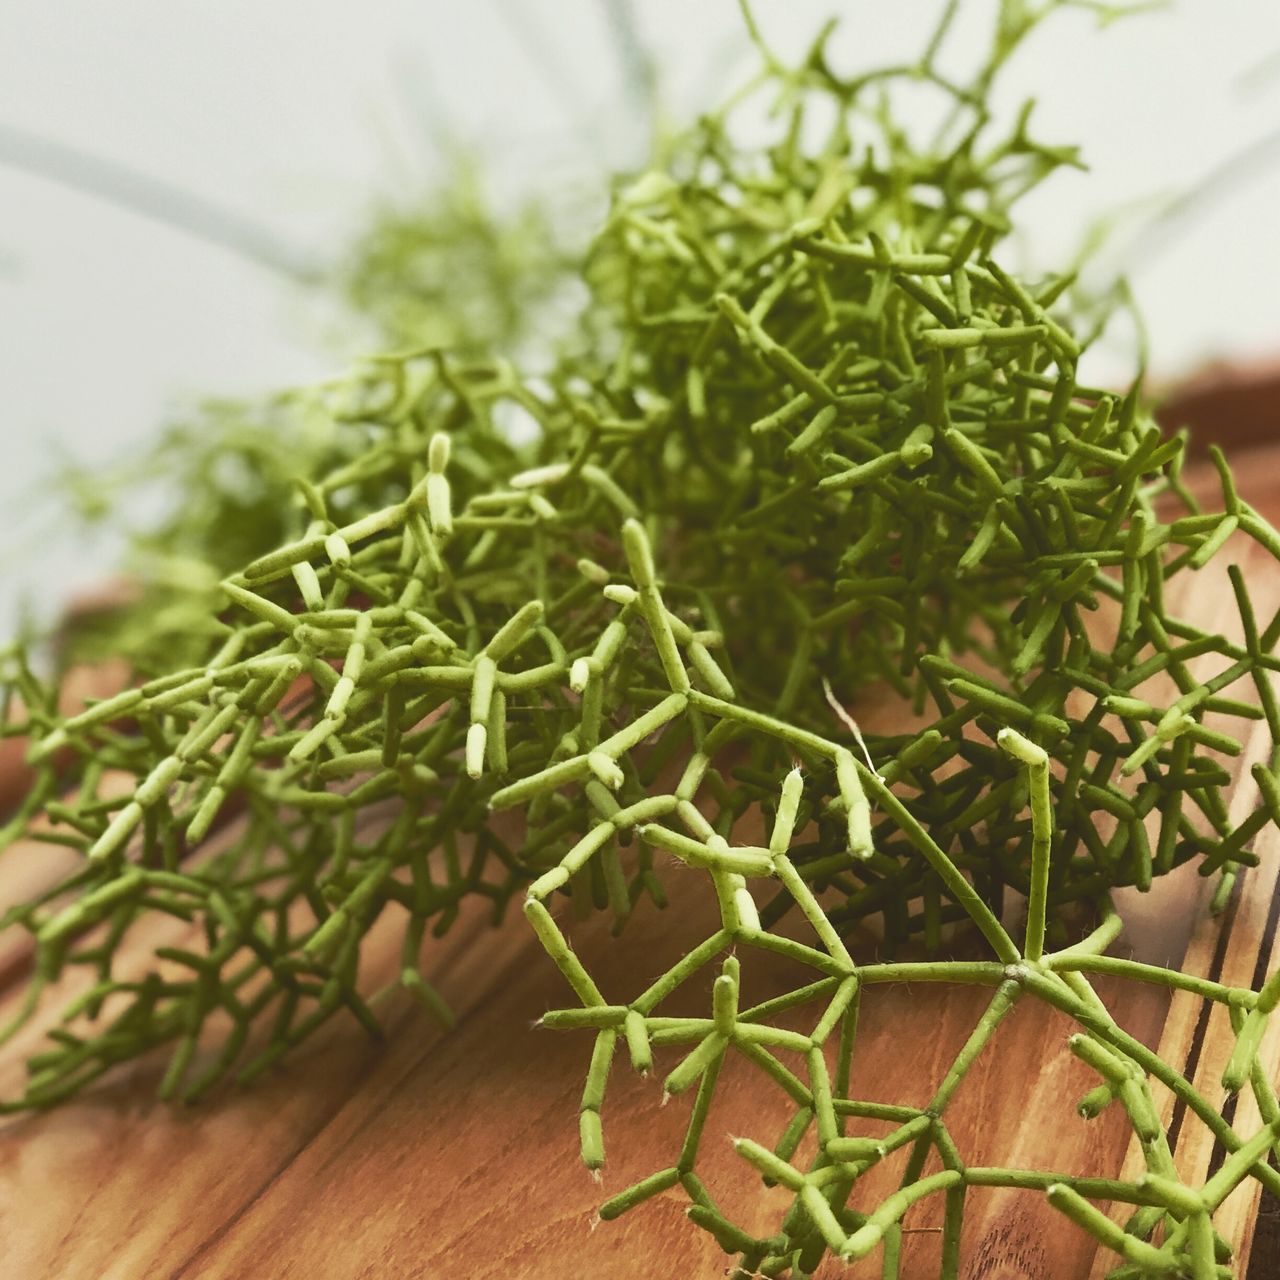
(435, 1155)
(457, 1155)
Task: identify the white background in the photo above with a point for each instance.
(297, 113)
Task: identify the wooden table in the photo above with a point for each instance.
(455, 1155)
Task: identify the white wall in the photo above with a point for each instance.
(293, 112)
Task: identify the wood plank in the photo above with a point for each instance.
(1238, 949)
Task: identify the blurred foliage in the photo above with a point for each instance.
(452, 270)
(216, 488)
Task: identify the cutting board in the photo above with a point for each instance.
(437, 1154)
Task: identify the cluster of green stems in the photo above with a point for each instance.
(810, 440)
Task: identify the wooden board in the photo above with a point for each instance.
(455, 1155)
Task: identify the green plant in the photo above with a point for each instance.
(819, 440)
